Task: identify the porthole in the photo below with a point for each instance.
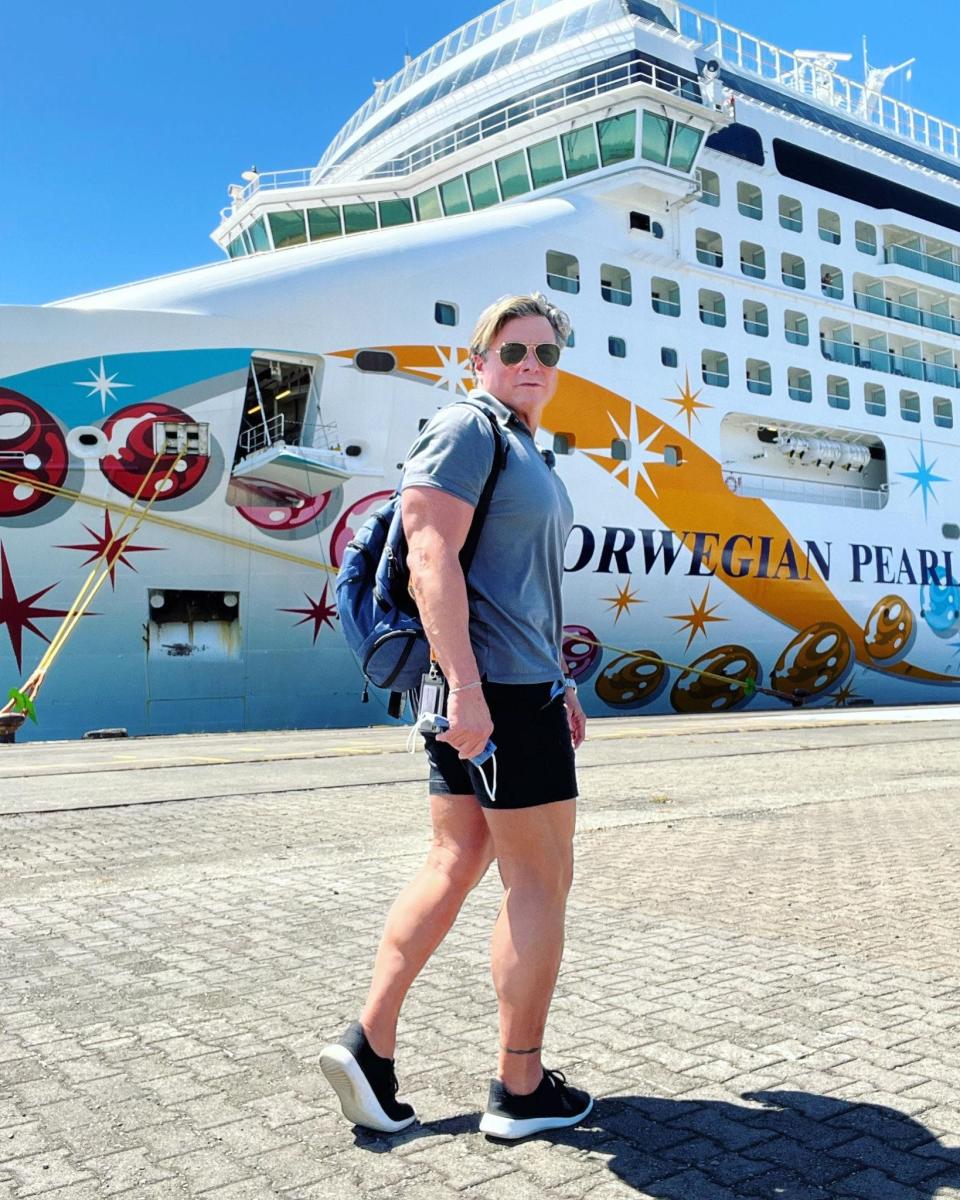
(380, 362)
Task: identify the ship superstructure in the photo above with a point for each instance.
(761, 259)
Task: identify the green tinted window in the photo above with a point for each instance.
(579, 151)
(236, 249)
(395, 212)
(686, 143)
(483, 186)
(545, 163)
(618, 138)
(453, 193)
(656, 137)
(359, 217)
(427, 205)
(512, 170)
(288, 228)
(258, 235)
(323, 223)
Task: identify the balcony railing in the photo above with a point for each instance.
(793, 223)
(563, 283)
(941, 267)
(866, 247)
(711, 198)
(890, 362)
(899, 311)
(804, 395)
(666, 308)
(832, 291)
(708, 317)
(793, 280)
(760, 387)
(711, 258)
(716, 378)
(616, 295)
(797, 336)
(753, 211)
(758, 328)
(753, 270)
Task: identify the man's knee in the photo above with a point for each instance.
(463, 865)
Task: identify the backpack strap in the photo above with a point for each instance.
(501, 449)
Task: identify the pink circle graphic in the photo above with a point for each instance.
(350, 521)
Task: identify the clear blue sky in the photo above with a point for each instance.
(122, 122)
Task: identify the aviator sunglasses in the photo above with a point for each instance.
(514, 353)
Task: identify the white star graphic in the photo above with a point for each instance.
(640, 454)
(101, 384)
(452, 373)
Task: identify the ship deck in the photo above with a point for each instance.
(760, 985)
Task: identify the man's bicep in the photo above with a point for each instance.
(430, 514)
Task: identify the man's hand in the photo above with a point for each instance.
(576, 717)
(470, 724)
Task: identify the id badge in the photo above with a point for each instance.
(433, 694)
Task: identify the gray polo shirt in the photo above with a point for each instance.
(516, 618)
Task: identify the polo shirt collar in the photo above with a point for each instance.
(505, 415)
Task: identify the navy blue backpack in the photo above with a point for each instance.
(378, 615)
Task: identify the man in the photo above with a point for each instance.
(498, 642)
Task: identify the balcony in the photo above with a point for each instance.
(563, 283)
(616, 295)
(890, 362)
(710, 257)
(715, 378)
(709, 317)
(832, 291)
(794, 281)
(906, 312)
(918, 261)
(804, 395)
(666, 308)
(758, 328)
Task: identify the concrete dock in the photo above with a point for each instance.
(761, 984)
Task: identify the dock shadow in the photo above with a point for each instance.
(798, 1146)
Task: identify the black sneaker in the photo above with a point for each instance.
(365, 1083)
(553, 1105)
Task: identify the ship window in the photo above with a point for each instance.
(512, 171)
(910, 406)
(358, 218)
(709, 187)
(395, 212)
(665, 297)
(616, 347)
(236, 249)
(828, 226)
(620, 450)
(579, 150)
(483, 186)
(545, 165)
(427, 205)
(258, 235)
(799, 385)
(615, 285)
(758, 377)
(951, 532)
(874, 399)
(796, 328)
(564, 443)
(709, 248)
(866, 237)
(453, 193)
(713, 308)
(791, 214)
(571, 338)
(793, 272)
(672, 456)
(324, 223)
(656, 137)
(288, 228)
(756, 319)
(753, 260)
(838, 391)
(380, 362)
(943, 412)
(618, 138)
(668, 356)
(248, 241)
(445, 313)
(686, 143)
(750, 201)
(563, 271)
(831, 282)
(715, 368)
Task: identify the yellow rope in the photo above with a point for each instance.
(168, 523)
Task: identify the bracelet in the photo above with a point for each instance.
(466, 687)
(569, 684)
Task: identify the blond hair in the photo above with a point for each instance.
(507, 308)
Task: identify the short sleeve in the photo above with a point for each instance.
(454, 453)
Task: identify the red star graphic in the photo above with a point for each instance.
(108, 547)
(319, 612)
(18, 614)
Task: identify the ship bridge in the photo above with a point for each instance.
(530, 98)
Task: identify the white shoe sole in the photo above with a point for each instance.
(512, 1128)
(356, 1096)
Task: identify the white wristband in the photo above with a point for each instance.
(466, 687)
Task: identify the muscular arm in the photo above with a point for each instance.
(436, 525)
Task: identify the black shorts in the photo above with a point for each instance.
(535, 761)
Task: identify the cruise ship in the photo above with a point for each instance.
(755, 419)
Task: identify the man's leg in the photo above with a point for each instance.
(424, 911)
(534, 848)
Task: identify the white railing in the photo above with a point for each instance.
(813, 81)
(261, 436)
